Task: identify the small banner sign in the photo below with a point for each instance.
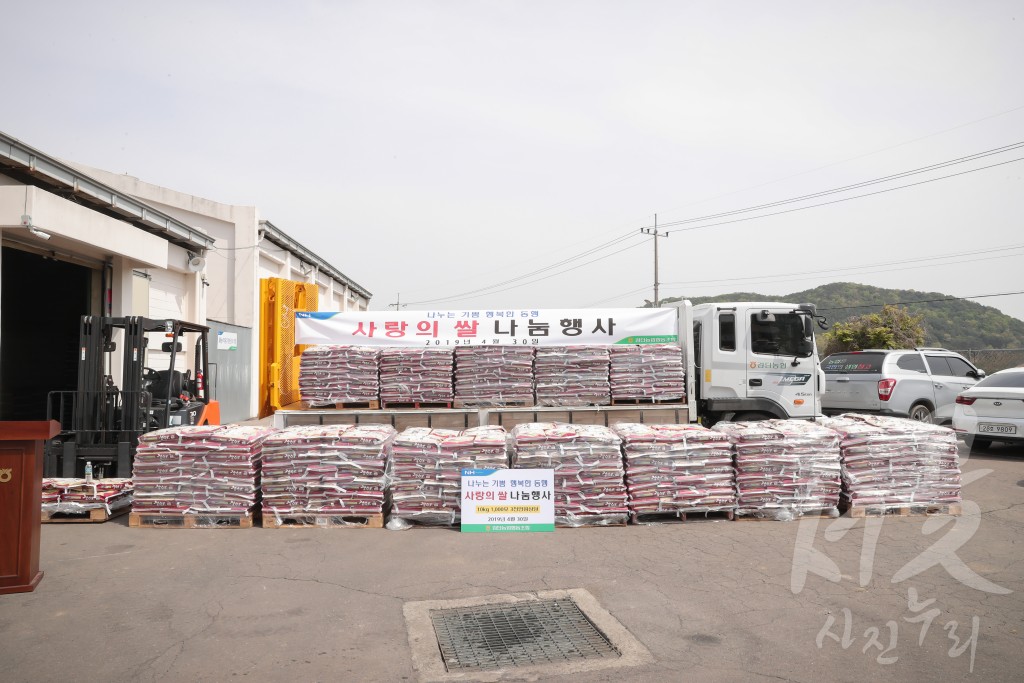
(508, 500)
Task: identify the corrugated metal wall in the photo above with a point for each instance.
(231, 379)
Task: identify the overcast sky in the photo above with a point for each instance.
(432, 149)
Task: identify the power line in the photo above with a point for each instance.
(546, 277)
(617, 296)
(251, 246)
(1009, 247)
(885, 270)
(894, 303)
(846, 199)
(738, 220)
(589, 252)
(865, 183)
(923, 301)
(901, 262)
(859, 156)
(775, 280)
(548, 250)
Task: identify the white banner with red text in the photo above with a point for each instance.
(518, 327)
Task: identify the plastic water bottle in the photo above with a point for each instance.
(88, 471)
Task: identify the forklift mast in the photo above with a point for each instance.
(101, 423)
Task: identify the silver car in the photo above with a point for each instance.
(921, 384)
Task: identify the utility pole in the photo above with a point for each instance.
(398, 302)
(656, 234)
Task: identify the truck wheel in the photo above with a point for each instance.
(751, 417)
(921, 413)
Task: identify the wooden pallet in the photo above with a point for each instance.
(648, 402)
(192, 520)
(751, 514)
(321, 521)
(416, 404)
(414, 524)
(353, 405)
(93, 516)
(903, 509)
(563, 525)
(484, 403)
(680, 517)
(427, 523)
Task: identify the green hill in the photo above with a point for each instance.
(950, 324)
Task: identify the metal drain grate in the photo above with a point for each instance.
(517, 634)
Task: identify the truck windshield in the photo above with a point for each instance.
(783, 336)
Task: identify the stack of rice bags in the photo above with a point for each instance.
(199, 469)
(784, 468)
(426, 470)
(653, 372)
(162, 470)
(677, 468)
(494, 375)
(330, 374)
(416, 375)
(311, 470)
(893, 462)
(572, 375)
(589, 482)
(73, 496)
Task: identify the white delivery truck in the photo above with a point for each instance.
(751, 360)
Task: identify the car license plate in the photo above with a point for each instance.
(997, 429)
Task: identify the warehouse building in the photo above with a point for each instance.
(79, 241)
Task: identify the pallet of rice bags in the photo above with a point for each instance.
(426, 470)
(784, 468)
(589, 479)
(677, 469)
(894, 465)
(326, 476)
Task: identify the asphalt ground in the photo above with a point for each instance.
(895, 599)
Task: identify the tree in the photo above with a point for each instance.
(891, 328)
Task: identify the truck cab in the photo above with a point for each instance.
(756, 361)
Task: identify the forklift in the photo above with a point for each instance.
(101, 423)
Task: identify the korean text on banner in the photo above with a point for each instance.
(508, 500)
(543, 327)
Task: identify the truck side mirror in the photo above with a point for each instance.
(805, 347)
(808, 327)
(766, 317)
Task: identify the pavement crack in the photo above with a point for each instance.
(321, 582)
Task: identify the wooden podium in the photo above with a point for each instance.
(21, 490)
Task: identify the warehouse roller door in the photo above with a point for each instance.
(166, 301)
(167, 295)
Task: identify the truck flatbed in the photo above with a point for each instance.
(463, 418)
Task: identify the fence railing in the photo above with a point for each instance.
(992, 360)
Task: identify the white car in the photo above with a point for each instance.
(992, 410)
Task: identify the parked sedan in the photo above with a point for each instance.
(992, 410)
